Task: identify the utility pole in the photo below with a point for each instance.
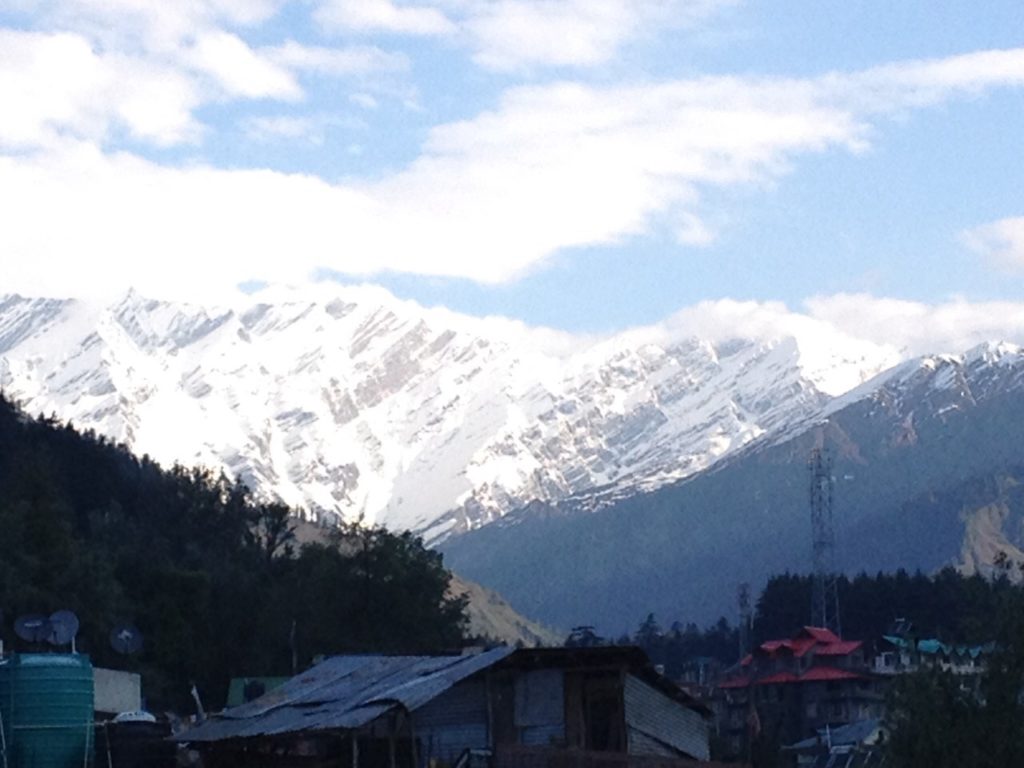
(743, 599)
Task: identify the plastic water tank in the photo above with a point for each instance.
(46, 701)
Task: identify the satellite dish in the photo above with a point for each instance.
(32, 628)
(63, 628)
(126, 639)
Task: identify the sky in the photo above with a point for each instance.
(586, 165)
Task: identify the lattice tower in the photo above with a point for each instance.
(825, 597)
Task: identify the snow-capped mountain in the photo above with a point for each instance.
(928, 471)
(347, 401)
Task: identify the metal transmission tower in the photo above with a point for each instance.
(743, 598)
(825, 597)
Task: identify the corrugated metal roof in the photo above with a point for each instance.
(344, 693)
(933, 647)
(238, 688)
(858, 732)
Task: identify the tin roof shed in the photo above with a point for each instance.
(344, 693)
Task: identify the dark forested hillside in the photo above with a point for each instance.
(212, 577)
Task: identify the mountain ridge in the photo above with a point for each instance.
(350, 402)
(926, 460)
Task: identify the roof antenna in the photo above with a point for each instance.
(743, 599)
(200, 712)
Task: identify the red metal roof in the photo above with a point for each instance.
(802, 646)
(779, 677)
(841, 648)
(736, 682)
(813, 675)
(822, 641)
(828, 673)
(820, 634)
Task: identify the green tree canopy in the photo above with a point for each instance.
(212, 576)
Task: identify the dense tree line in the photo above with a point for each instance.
(938, 720)
(211, 576)
(675, 648)
(947, 605)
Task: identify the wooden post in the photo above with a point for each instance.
(355, 750)
(391, 740)
(412, 741)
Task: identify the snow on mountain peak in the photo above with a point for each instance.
(348, 401)
(994, 353)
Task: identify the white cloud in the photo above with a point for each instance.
(690, 230)
(563, 166)
(550, 168)
(916, 328)
(869, 331)
(901, 86)
(285, 127)
(239, 70)
(154, 27)
(144, 69)
(336, 61)
(383, 16)
(364, 100)
(1000, 242)
(56, 84)
(90, 223)
(509, 35)
(309, 128)
(513, 34)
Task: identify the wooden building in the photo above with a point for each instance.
(790, 689)
(528, 708)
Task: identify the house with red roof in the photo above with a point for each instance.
(790, 689)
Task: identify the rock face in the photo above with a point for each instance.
(928, 471)
(589, 481)
(492, 618)
(351, 403)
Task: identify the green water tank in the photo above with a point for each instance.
(46, 701)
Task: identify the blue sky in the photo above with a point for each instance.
(583, 164)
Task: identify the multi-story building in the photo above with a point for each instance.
(790, 689)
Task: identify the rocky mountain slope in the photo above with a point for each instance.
(928, 460)
(348, 402)
(492, 618)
